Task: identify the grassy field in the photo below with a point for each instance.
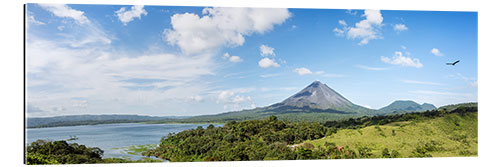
(450, 136)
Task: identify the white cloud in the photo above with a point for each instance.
(266, 63)
(232, 101)
(351, 12)
(367, 29)
(61, 10)
(399, 59)
(400, 27)
(302, 71)
(127, 16)
(338, 32)
(218, 27)
(56, 73)
(305, 71)
(422, 82)
(436, 52)
(81, 33)
(32, 20)
(234, 59)
(342, 23)
(266, 51)
(371, 68)
(196, 98)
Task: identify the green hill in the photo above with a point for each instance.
(454, 134)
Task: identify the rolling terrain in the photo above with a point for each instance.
(453, 134)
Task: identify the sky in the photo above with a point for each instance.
(183, 61)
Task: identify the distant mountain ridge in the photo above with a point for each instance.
(73, 120)
(399, 106)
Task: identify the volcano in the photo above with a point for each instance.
(318, 95)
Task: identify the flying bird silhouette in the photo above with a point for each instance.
(453, 63)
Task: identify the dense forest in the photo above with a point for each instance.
(273, 139)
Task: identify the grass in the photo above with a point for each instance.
(450, 136)
(136, 149)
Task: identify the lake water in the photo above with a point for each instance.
(111, 138)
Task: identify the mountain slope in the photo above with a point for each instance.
(401, 106)
(318, 95)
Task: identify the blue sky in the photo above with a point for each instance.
(164, 60)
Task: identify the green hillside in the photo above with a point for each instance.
(448, 136)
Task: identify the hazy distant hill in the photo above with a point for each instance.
(72, 120)
(401, 106)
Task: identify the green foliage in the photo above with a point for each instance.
(61, 152)
(246, 140)
(35, 158)
(53, 152)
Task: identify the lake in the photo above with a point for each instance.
(111, 138)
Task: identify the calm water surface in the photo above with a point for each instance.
(111, 138)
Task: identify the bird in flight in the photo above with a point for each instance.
(453, 63)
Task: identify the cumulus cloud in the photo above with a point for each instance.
(61, 10)
(367, 29)
(436, 52)
(266, 50)
(234, 59)
(302, 71)
(266, 63)
(399, 59)
(232, 101)
(400, 27)
(218, 27)
(127, 16)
